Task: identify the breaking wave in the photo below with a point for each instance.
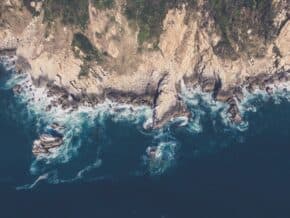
(91, 134)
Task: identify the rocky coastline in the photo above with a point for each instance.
(189, 49)
(232, 96)
(61, 97)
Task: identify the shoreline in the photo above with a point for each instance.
(232, 98)
(190, 48)
(61, 97)
(142, 115)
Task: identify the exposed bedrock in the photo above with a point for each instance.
(191, 47)
(233, 95)
(48, 142)
(165, 102)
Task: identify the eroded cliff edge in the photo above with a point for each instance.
(112, 49)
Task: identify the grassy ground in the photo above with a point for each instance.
(232, 16)
(149, 15)
(83, 43)
(103, 4)
(90, 54)
(235, 17)
(71, 12)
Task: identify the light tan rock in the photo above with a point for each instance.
(185, 50)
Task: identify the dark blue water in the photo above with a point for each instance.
(217, 173)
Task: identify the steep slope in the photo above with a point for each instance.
(142, 59)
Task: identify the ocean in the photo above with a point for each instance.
(205, 166)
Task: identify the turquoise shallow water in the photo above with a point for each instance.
(208, 168)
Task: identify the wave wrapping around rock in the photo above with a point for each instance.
(160, 154)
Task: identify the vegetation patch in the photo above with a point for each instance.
(85, 70)
(103, 4)
(70, 12)
(225, 50)
(84, 49)
(149, 15)
(237, 20)
(90, 52)
(27, 4)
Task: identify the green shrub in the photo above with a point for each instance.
(27, 4)
(227, 14)
(149, 15)
(235, 17)
(71, 12)
(85, 70)
(103, 4)
(90, 51)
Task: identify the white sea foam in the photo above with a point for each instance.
(255, 99)
(166, 146)
(75, 122)
(44, 177)
(8, 62)
(163, 159)
(201, 103)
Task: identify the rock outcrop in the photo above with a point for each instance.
(48, 142)
(189, 49)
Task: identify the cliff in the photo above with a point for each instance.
(141, 51)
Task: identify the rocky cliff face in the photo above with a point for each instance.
(142, 58)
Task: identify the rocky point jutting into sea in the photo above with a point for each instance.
(109, 57)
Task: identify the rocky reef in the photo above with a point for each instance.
(108, 54)
(48, 142)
